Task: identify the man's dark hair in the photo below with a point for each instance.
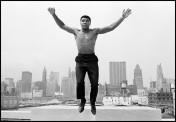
(85, 16)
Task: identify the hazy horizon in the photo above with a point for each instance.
(31, 40)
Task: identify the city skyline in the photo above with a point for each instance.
(44, 75)
(34, 41)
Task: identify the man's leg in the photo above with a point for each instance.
(93, 73)
(80, 88)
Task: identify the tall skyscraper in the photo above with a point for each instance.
(52, 84)
(44, 75)
(19, 87)
(69, 72)
(56, 78)
(159, 72)
(117, 73)
(162, 83)
(66, 87)
(44, 81)
(26, 81)
(160, 78)
(138, 80)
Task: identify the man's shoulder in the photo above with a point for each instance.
(94, 30)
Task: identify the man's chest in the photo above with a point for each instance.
(86, 37)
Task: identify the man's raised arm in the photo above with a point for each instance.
(60, 23)
(111, 27)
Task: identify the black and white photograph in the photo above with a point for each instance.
(87, 60)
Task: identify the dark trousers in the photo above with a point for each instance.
(87, 63)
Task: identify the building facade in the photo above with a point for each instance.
(50, 88)
(10, 82)
(26, 81)
(44, 81)
(66, 87)
(73, 81)
(117, 73)
(131, 90)
(160, 78)
(160, 98)
(138, 80)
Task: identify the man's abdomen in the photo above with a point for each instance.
(86, 49)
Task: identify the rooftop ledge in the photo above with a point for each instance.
(70, 113)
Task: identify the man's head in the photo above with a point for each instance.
(85, 21)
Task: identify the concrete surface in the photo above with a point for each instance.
(70, 113)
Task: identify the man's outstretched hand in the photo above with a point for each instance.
(126, 13)
(51, 10)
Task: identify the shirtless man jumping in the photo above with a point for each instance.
(86, 60)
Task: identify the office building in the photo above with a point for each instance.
(52, 84)
(153, 87)
(117, 73)
(138, 80)
(26, 81)
(50, 88)
(19, 87)
(44, 81)
(160, 78)
(66, 87)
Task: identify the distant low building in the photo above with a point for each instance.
(3, 86)
(134, 99)
(142, 92)
(9, 102)
(113, 90)
(160, 98)
(37, 93)
(153, 87)
(173, 93)
(142, 96)
(26, 95)
(143, 100)
(132, 89)
(10, 82)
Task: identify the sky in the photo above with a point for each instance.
(31, 40)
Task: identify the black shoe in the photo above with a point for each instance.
(93, 109)
(81, 107)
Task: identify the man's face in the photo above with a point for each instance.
(85, 23)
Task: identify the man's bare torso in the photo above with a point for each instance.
(86, 41)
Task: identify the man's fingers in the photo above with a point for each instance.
(50, 8)
(128, 10)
